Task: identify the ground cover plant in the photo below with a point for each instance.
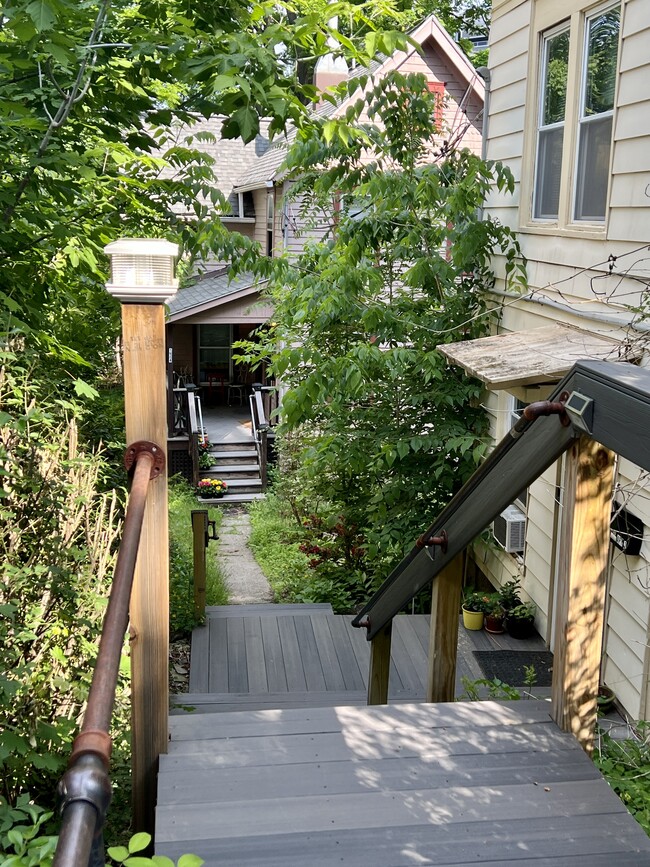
(625, 763)
(182, 501)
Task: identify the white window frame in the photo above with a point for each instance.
(576, 17)
(583, 119)
(541, 127)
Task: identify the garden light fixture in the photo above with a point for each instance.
(142, 270)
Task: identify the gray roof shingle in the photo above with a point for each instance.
(211, 287)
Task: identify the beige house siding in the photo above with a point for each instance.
(562, 267)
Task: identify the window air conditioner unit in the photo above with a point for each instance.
(509, 529)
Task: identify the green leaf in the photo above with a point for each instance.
(118, 853)
(162, 861)
(190, 861)
(138, 842)
(83, 389)
(41, 14)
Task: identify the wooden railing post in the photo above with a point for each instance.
(579, 612)
(380, 666)
(200, 539)
(443, 635)
(264, 456)
(142, 278)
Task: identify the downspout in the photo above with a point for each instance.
(486, 75)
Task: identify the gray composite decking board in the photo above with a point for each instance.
(397, 774)
(405, 626)
(237, 670)
(354, 677)
(200, 659)
(218, 656)
(408, 672)
(400, 721)
(291, 654)
(459, 846)
(275, 673)
(225, 702)
(268, 609)
(424, 717)
(335, 746)
(309, 656)
(375, 809)
(255, 662)
(332, 673)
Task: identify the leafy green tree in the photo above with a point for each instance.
(389, 430)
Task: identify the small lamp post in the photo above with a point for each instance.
(142, 278)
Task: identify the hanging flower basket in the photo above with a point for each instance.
(211, 489)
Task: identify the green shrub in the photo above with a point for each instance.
(625, 764)
(182, 501)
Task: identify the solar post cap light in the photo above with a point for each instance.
(580, 410)
(142, 270)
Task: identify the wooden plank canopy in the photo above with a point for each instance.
(540, 355)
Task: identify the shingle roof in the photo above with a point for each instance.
(211, 287)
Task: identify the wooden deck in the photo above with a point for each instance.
(259, 656)
(280, 764)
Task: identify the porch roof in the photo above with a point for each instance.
(213, 289)
(533, 357)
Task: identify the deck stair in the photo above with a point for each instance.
(237, 464)
(274, 760)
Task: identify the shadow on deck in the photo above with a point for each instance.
(274, 765)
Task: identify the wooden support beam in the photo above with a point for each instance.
(380, 666)
(443, 634)
(580, 605)
(200, 544)
(143, 333)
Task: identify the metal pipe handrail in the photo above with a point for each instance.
(85, 789)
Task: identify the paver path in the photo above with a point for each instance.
(245, 580)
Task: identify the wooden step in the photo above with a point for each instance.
(232, 471)
(268, 609)
(235, 456)
(462, 783)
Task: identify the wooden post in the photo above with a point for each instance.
(200, 537)
(443, 635)
(582, 570)
(379, 666)
(143, 331)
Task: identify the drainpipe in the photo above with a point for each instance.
(486, 75)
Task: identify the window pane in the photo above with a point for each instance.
(215, 335)
(602, 55)
(593, 168)
(555, 78)
(549, 166)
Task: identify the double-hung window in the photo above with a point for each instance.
(598, 81)
(550, 135)
(577, 81)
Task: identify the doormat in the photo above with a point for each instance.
(509, 665)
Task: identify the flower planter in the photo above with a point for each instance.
(472, 619)
(494, 624)
(606, 699)
(520, 628)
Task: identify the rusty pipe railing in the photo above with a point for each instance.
(85, 789)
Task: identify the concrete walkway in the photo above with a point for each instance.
(244, 579)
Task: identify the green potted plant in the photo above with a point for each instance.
(508, 595)
(211, 489)
(474, 605)
(520, 620)
(495, 615)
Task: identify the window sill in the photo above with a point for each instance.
(590, 231)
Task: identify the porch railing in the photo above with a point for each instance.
(85, 788)
(263, 402)
(598, 407)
